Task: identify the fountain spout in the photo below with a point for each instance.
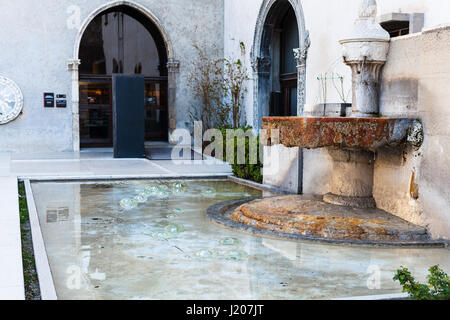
(365, 51)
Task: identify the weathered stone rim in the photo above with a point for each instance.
(216, 212)
(367, 133)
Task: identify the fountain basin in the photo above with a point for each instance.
(343, 133)
(310, 217)
(306, 217)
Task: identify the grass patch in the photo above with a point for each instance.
(32, 291)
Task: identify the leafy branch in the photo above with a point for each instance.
(438, 287)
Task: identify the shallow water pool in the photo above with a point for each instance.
(152, 240)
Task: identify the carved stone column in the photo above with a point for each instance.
(301, 55)
(173, 67)
(72, 66)
(261, 67)
(365, 88)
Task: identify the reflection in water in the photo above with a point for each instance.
(230, 242)
(103, 244)
(175, 228)
(222, 254)
(208, 192)
(128, 204)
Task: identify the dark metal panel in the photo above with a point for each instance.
(129, 116)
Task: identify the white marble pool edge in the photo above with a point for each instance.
(46, 283)
(44, 273)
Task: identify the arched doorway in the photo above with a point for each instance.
(121, 40)
(279, 60)
(283, 99)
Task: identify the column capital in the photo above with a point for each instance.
(261, 65)
(173, 66)
(72, 64)
(301, 54)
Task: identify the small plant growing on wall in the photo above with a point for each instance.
(219, 87)
(338, 82)
(438, 287)
(235, 77)
(206, 80)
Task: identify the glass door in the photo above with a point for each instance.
(96, 113)
(156, 110)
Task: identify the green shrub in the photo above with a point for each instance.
(245, 171)
(438, 287)
(23, 207)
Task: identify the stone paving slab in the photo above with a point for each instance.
(11, 268)
(114, 168)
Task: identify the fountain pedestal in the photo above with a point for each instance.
(352, 180)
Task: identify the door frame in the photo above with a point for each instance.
(108, 79)
(173, 66)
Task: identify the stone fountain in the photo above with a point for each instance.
(352, 142)
(349, 212)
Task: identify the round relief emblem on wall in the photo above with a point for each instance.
(11, 100)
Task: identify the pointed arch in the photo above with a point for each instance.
(133, 5)
(141, 13)
(261, 56)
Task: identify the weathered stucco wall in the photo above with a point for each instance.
(239, 23)
(38, 37)
(414, 184)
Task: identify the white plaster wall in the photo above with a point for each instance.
(239, 22)
(36, 44)
(416, 84)
(281, 167)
